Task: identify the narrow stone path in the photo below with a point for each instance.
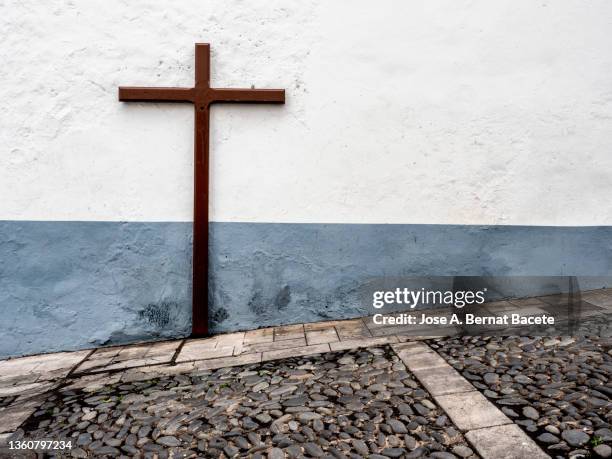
(489, 430)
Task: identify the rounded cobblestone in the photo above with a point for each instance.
(557, 389)
(353, 404)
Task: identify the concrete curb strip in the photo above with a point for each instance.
(489, 430)
(504, 442)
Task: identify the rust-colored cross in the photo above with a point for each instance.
(202, 96)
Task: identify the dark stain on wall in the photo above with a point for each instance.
(218, 315)
(157, 315)
(283, 298)
(256, 303)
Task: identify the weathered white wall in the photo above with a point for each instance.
(472, 112)
(491, 118)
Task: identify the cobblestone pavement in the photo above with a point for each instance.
(28, 383)
(557, 389)
(358, 403)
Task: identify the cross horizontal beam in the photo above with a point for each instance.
(134, 94)
(274, 96)
(212, 95)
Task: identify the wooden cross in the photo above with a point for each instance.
(202, 96)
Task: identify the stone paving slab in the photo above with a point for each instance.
(263, 335)
(471, 410)
(93, 382)
(25, 389)
(13, 416)
(223, 362)
(295, 351)
(418, 356)
(352, 329)
(40, 367)
(523, 311)
(288, 332)
(363, 342)
(598, 299)
(502, 306)
(321, 336)
(527, 302)
(196, 350)
(412, 330)
(562, 298)
(120, 357)
(443, 380)
(507, 442)
(275, 345)
(317, 326)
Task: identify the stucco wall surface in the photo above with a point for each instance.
(443, 112)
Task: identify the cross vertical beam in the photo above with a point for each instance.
(202, 96)
(201, 186)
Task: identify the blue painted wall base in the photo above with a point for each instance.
(71, 285)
